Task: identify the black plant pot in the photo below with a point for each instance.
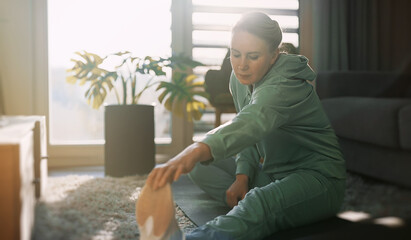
(129, 135)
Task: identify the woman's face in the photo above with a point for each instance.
(250, 57)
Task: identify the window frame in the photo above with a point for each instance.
(93, 154)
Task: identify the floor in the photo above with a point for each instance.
(334, 228)
(200, 208)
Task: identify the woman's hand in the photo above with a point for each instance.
(183, 163)
(237, 190)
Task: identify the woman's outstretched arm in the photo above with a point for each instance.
(183, 163)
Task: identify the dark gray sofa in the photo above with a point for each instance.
(371, 115)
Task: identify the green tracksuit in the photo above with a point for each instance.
(282, 139)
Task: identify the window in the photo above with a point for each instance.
(101, 27)
(159, 27)
(212, 21)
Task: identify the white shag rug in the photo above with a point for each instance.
(85, 207)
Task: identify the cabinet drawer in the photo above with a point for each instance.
(17, 201)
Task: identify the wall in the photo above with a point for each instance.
(16, 51)
(23, 56)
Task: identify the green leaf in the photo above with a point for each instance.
(180, 96)
(180, 93)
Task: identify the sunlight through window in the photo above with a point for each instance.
(101, 27)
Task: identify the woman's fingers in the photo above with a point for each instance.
(151, 177)
(237, 191)
(161, 175)
(170, 171)
(167, 175)
(232, 201)
(155, 176)
(183, 163)
(178, 173)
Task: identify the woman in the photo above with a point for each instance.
(288, 169)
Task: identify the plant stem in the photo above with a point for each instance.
(124, 83)
(133, 81)
(133, 89)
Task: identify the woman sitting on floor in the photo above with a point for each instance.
(277, 163)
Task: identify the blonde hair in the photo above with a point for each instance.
(262, 26)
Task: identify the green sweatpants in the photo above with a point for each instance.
(271, 205)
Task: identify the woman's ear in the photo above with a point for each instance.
(275, 56)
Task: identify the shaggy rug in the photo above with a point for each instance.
(86, 207)
(376, 198)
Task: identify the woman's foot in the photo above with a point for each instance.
(155, 215)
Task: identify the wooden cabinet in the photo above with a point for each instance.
(23, 176)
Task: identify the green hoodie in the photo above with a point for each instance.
(282, 122)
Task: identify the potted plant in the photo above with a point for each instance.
(129, 125)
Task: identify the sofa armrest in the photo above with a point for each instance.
(355, 84)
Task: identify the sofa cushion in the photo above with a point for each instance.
(371, 120)
(332, 84)
(405, 127)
